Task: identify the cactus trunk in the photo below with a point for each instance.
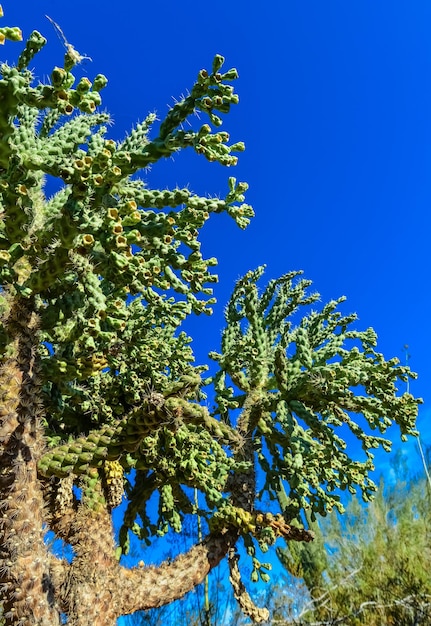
(25, 581)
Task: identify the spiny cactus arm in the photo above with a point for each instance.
(197, 414)
(206, 85)
(210, 95)
(127, 435)
(307, 375)
(247, 605)
(108, 443)
(145, 588)
(198, 207)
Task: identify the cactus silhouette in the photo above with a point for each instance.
(99, 398)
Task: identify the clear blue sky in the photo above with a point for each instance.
(335, 111)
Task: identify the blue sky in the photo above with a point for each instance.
(335, 111)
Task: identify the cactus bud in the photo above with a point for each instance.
(58, 77)
(99, 82)
(84, 85)
(217, 63)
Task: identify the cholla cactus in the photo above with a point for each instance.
(99, 397)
